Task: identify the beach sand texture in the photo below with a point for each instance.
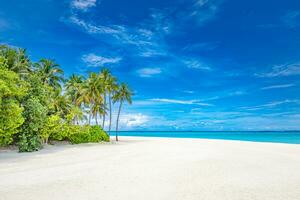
(154, 169)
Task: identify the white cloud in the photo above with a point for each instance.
(282, 70)
(189, 91)
(272, 104)
(83, 5)
(204, 10)
(133, 120)
(148, 72)
(148, 38)
(96, 29)
(196, 64)
(94, 60)
(278, 86)
(186, 102)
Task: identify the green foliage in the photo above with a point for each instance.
(33, 108)
(35, 118)
(10, 119)
(86, 134)
(29, 143)
(96, 133)
(52, 127)
(12, 88)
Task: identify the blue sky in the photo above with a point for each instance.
(193, 64)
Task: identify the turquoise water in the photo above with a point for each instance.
(291, 137)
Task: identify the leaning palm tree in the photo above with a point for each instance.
(50, 73)
(123, 94)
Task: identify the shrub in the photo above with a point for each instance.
(35, 115)
(53, 127)
(86, 134)
(97, 132)
(12, 88)
(29, 143)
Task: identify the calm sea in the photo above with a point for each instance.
(291, 137)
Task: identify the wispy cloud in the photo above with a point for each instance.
(188, 91)
(282, 70)
(148, 72)
(94, 60)
(115, 30)
(146, 39)
(277, 86)
(272, 104)
(196, 64)
(83, 5)
(185, 102)
(204, 10)
(291, 19)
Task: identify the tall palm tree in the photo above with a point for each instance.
(50, 73)
(59, 103)
(98, 108)
(105, 75)
(73, 87)
(112, 87)
(91, 92)
(123, 94)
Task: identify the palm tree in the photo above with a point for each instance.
(50, 73)
(16, 59)
(73, 87)
(98, 108)
(112, 87)
(59, 103)
(123, 94)
(105, 75)
(91, 92)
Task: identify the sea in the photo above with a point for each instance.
(290, 137)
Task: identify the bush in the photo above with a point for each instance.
(10, 119)
(35, 115)
(12, 88)
(86, 134)
(97, 133)
(29, 143)
(53, 127)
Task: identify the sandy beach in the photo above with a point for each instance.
(154, 169)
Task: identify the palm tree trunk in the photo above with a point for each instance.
(96, 118)
(103, 121)
(117, 126)
(109, 98)
(90, 116)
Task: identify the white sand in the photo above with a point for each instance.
(154, 169)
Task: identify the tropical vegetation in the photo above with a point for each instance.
(38, 105)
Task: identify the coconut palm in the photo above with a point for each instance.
(112, 87)
(16, 59)
(105, 76)
(59, 103)
(123, 94)
(91, 92)
(50, 73)
(73, 87)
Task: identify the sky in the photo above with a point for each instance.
(192, 64)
